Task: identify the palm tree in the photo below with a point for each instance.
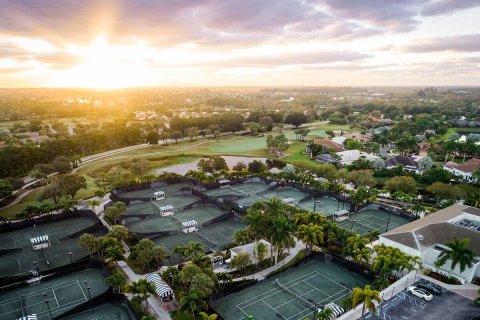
(324, 314)
(367, 296)
(279, 231)
(458, 253)
(117, 280)
(115, 253)
(311, 234)
(142, 289)
(256, 224)
(93, 204)
(194, 249)
(190, 302)
(206, 316)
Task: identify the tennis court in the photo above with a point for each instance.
(148, 192)
(212, 237)
(63, 294)
(284, 193)
(159, 224)
(372, 219)
(324, 205)
(22, 260)
(292, 295)
(107, 311)
(152, 207)
(242, 189)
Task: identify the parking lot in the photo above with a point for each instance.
(449, 306)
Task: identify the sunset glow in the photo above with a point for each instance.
(111, 44)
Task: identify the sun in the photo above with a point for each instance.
(103, 66)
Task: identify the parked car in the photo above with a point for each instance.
(421, 293)
(430, 287)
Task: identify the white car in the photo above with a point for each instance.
(421, 293)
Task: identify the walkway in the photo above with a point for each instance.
(261, 275)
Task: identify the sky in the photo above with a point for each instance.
(140, 43)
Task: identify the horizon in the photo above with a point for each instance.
(119, 44)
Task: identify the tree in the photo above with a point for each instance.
(6, 188)
(425, 164)
(191, 302)
(240, 166)
(119, 232)
(93, 204)
(146, 254)
(367, 296)
(206, 316)
(152, 137)
(52, 191)
(117, 280)
(476, 175)
(353, 145)
(443, 191)
(458, 253)
(257, 166)
(241, 261)
(279, 232)
(212, 164)
(112, 214)
(311, 234)
(61, 164)
(362, 196)
(401, 183)
(89, 242)
(266, 123)
(296, 119)
(140, 167)
(71, 183)
(142, 290)
(261, 251)
(378, 164)
(362, 178)
(436, 174)
(175, 135)
(325, 314)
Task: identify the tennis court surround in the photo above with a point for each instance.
(63, 293)
(213, 236)
(373, 219)
(149, 208)
(242, 189)
(107, 311)
(170, 223)
(148, 192)
(21, 262)
(315, 282)
(324, 205)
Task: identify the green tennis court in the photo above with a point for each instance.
(151, 207)
(292, 295)
(170, 223)
(373, 219)
(22, 260)
(324, 205)
(107, 311)
(148, 192)
(212, 237)
(242, 189)
(63, 294)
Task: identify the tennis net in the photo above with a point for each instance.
(296, 296)
(21, 305)
(210, 242)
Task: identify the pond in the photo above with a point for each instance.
(185, 167)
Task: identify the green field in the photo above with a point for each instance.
(188, 151)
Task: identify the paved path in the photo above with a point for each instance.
(261, 275)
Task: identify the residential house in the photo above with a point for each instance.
(463, 170)
(408, 163)
(327, 144)
(325, 158)
(426, 238)
(424, 148)
(249, 249)
(349, 156)
(357, 136)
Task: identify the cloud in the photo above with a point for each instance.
(391, 15)
(301, 58)
(458, 43)
(440, 7)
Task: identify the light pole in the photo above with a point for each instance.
(47, 303)
(351, 227)
(70, 254)
(388, 222)
(88, 289)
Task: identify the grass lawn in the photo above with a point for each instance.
(188, 151)
(382, 180)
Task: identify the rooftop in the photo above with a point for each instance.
(329, 144)
(467, 167)
(436, 228)
(401, 160)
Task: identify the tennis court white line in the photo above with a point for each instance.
(78, 283)
(55, 296)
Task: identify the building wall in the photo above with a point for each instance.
(404, 248)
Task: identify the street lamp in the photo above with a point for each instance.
(47, 303)
(70, 254)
